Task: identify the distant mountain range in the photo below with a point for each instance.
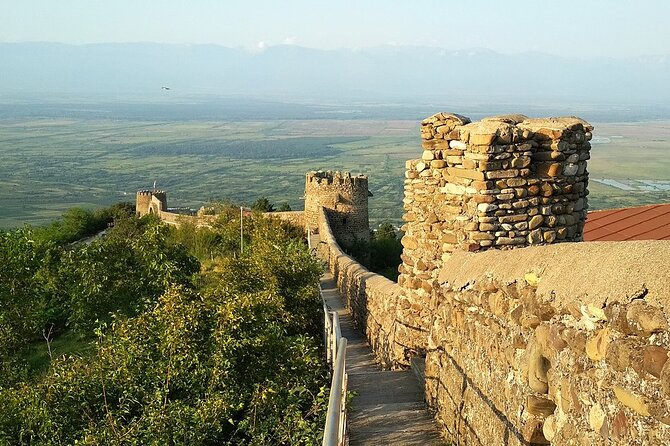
(384, 73)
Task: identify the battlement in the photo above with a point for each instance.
(500, 183)
(151, 192)
(337, 178)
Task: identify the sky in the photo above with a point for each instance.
(586, 28)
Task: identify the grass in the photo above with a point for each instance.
(67, 343)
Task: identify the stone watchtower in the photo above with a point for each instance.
(505, 182)
(150, 202)
(345, 199)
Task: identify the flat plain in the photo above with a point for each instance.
(51, 164)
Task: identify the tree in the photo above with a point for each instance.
(284, 207)
(262, 205)
(385, 231)
(230, 358)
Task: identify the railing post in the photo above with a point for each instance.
(343, 403)
(327, 334)
(336, 335)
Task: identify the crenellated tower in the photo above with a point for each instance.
(345, 199)
(150, 202)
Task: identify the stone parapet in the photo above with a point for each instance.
(563, 344)
(296, 218)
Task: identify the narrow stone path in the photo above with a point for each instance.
(388, 408)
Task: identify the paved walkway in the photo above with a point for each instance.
(389, 408)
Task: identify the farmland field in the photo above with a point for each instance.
(51, 163)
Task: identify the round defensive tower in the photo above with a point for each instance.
(150, 202)
(345, 199)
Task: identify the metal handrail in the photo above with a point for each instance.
(336, 419)
(335, 345)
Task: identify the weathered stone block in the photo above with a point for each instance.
(654, 358)
(539, 406)
(596, 347)
(549, 169)
(496, 174)
(646, 318)
(631, 400)
(466, 173)
(532, 433)
(409, 242)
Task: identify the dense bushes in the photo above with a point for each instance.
(231, 357)
(382, 254)
(77, 223)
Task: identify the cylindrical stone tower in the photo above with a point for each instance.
(345, 199)
(150, 202)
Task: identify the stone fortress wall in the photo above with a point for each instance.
(552, 343)
(557, 344)
(150, 202)
(154, 202)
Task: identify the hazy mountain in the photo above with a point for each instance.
(380, 73)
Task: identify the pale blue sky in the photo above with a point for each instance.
(569, 27)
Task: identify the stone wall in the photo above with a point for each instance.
(372, 298)
(507, 181)
(155, 202)
(296, 218)
(173, 218)
(565, 344)
(345, 199)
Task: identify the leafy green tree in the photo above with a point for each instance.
(234, 362)
(23, 299)
(262, 205)
(381, 254)
(385, 231)
(120, 276)
(284, 207)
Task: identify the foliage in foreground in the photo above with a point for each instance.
(231, 357)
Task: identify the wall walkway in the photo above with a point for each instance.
(389, 407)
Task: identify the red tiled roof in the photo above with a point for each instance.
(638, 223)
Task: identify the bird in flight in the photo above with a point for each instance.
(165, 88)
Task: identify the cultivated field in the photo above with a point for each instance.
(49, 165)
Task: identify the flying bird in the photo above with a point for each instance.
(165, 88)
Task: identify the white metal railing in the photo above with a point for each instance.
(335, 432)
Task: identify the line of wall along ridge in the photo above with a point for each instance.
(155, 202)
(371, 297)
(527, 340)
(557, 344)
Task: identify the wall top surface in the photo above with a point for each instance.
(499, 129)
(593, 273)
